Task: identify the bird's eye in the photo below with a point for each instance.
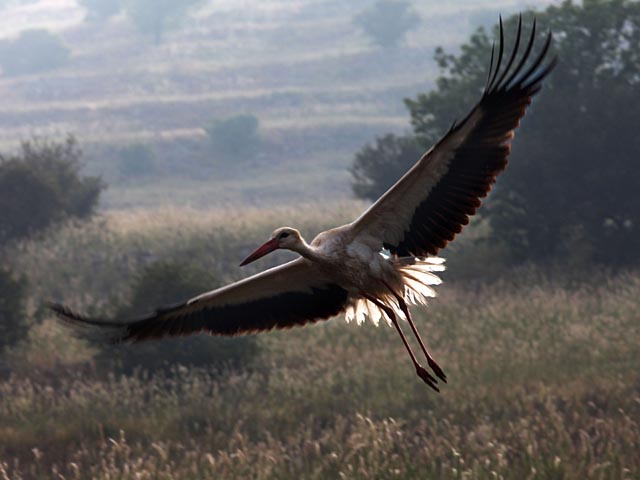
(283, 235)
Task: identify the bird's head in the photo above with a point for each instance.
(284, 237)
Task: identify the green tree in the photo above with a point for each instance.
(457, 89)
(101, 10)
(387, 22)
(235, 136)
(40, 185)
(377, 167)
(164, 283)
(571, 185)
(155, 17)
(33, 51)
(13, 327)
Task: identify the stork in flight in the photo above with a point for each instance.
(383, 261)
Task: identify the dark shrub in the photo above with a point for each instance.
(234, 137)
(387, 21)
(13, 326)
(40, 185)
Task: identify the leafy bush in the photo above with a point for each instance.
(235, 136)
(377, 167)
(164, 283)
(136, 160)
(33, 51)
(387, 22)
(13, 326)
(40, 185)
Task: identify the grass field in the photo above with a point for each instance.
(542, 361)
(543, 384)
(542, 368)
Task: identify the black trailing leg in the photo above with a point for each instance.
(430, 360)
(420, 370)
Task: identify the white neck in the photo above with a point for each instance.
(306, 250)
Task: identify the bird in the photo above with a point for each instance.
(386, 259)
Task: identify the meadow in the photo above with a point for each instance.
(542, 360)
(542, 368)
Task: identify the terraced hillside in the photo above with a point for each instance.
(318, 88)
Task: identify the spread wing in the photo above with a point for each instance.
(432, 202)
(294, 293)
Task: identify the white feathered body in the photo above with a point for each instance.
(358, 265)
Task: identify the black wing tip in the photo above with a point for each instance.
(522, 77)
(56, 307)
(93, 330)
(63, 312)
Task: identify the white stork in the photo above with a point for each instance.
(385, 259)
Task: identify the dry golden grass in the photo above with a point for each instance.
(543, 381)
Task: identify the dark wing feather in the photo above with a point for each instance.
(286, 296)
(433, 201)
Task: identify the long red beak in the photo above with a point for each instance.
(261, 251)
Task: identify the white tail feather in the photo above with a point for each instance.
(418, 278)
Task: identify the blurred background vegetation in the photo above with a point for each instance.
(147, 147)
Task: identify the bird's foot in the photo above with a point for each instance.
(436, 368)
(426, 377)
